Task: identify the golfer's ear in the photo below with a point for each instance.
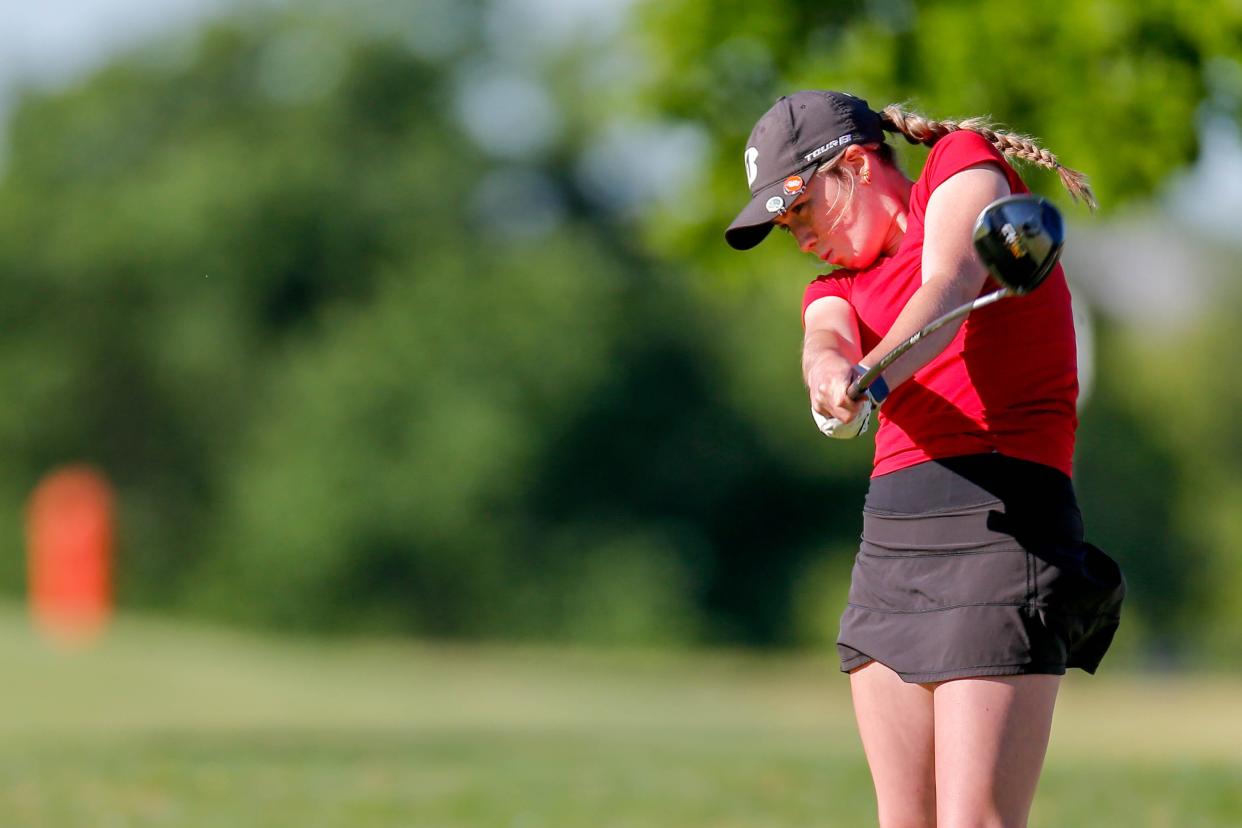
(856, 158)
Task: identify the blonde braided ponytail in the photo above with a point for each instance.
(920, 130)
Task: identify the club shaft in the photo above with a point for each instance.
(861, 384)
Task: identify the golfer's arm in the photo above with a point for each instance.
(831, 334)
(952, 273)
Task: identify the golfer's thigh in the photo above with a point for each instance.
(895, 720)
(991, 735)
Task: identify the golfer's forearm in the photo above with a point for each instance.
(823, 344)
(934, 299)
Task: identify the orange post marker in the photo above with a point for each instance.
(69, 536)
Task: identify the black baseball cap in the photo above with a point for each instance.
(800, 132)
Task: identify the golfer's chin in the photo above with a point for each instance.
(848, 261)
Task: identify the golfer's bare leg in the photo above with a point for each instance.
(991, 737)
(895, 720)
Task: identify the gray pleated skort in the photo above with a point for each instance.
(977, 566)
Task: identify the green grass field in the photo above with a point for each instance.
(172, 725)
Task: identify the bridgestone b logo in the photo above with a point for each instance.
(836, 142)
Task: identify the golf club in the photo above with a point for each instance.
(1019, 239)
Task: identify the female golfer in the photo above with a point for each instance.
(973, 589)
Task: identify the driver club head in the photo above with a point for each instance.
(1019, 239)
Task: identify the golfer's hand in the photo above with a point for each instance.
(835, 413)
(828, 381)
(832, 427)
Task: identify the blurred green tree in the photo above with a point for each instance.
(337, 390)
(373, 332)
(1118, 91)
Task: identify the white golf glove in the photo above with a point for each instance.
(832, 427)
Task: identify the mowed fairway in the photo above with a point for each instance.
(176, 725)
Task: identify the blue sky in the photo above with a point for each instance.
(55, 41)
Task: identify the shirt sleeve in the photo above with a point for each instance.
(826, 285)
(957, 151)
(952, 154)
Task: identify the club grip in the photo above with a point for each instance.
(869, 378)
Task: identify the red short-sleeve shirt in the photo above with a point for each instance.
(1008, 382)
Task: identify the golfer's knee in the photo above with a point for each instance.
(990, 819)
(907, 817)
